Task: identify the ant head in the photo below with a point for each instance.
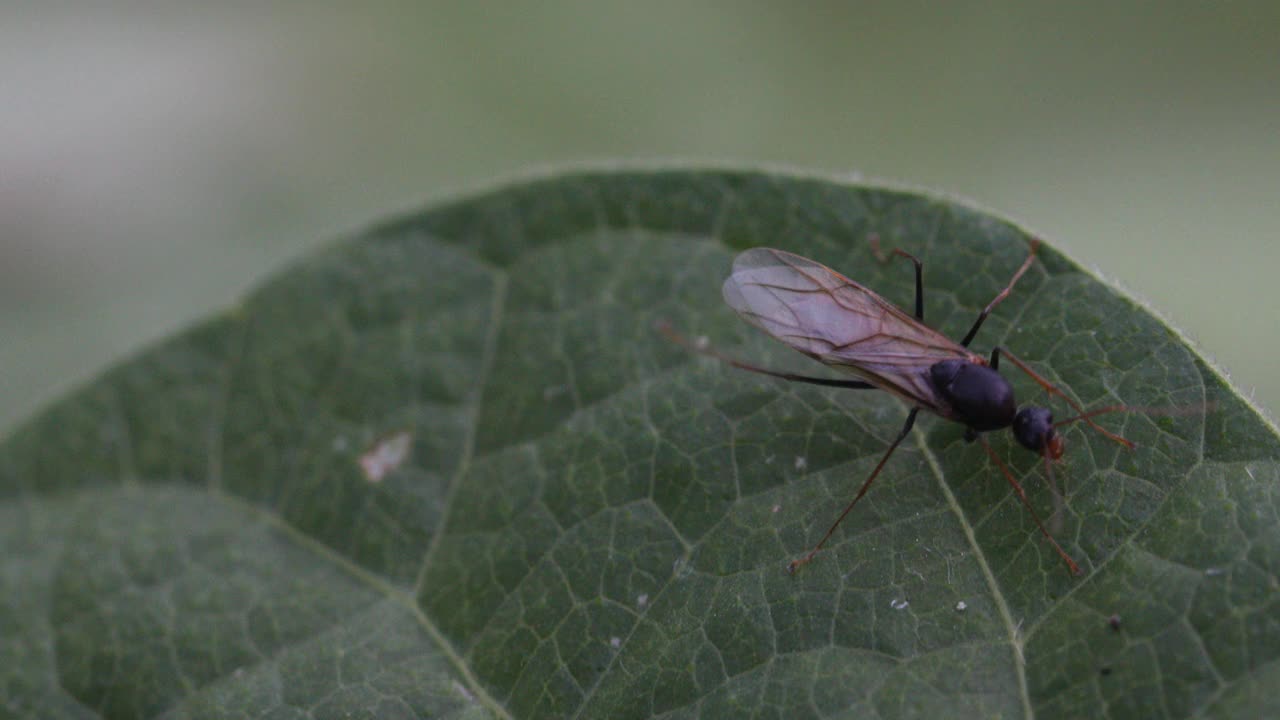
(1033, 427)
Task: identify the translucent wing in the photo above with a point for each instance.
(840, 323)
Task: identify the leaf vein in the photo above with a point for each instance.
(1002, 606)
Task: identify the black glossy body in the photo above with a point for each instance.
(983, 400)
(979, 396)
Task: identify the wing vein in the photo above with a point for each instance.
(842, 324)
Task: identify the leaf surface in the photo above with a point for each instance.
(448, 469)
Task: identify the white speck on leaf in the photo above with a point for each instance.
(386, 455)
(702, 342)
(1214, 571)
(899, 604)
(801, 462)
(615, 641)
(776, 508)
(962, 606)
(642, 600)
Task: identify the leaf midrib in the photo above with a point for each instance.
(1015, 642)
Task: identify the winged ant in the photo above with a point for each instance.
(842, 324)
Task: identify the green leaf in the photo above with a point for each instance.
(448, 469)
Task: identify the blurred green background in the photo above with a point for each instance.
(159, 160)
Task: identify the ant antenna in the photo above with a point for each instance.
(1053, 390)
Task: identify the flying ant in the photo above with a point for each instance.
(842, 324)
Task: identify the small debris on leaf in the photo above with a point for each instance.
(386, 455)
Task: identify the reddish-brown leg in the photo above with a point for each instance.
(906, 428)
(982, 317)
(1022, 495)
(1059, 506)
